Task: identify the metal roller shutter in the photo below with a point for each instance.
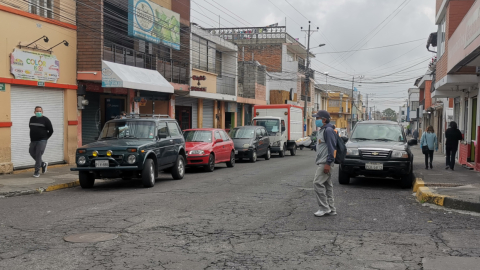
(23, 100)
(91, 118)
(189, 102)
(207, 113)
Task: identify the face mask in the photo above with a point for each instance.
(38, 114)
(319, 123)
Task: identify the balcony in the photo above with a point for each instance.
(173, 71)
(226, 85)
(245, 33)
(122, 55)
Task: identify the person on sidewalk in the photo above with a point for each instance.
(453, 136)
(415, 134)
(428, 143)
(40, 131)
(322, 183)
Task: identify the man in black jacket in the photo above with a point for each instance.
(453, 136)
(40, 131)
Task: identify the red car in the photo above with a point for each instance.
(207, 147)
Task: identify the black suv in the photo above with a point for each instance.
(378, 149)
(137, 146)
(251, 142)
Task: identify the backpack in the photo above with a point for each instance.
(341, 149)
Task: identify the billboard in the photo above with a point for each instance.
(153, 23)
(34, 66)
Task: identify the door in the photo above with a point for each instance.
(175, 140)
(474, 129)
(91, 118)
(113, 107)
(162, 144)
(228, 144)
(218, 148)
(207, 113)
(187, 102)
(261, 142)
(183, 115)
(23, 102)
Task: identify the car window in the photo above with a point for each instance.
(259, 132)
(173, 128)
(198, 136)
(264, 132)
(162, 128)
(217, 135)
(382, 132)
(128, 129)
(242, 133)
(224, 136)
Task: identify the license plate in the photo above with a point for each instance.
(374, 166)
(101, 163)
(236, 152)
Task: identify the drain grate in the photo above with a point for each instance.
(442, 185)
(90, 237)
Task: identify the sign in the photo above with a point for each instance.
(199, 78)
(2, 87)
(34, 66)
(41, 84)
(153, 23)
(202, 89)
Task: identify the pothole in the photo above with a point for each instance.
(90, 237)
(442, 185)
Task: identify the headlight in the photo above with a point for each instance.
(109, 153)
(81, 160)
(131, 159)
(246, 145)
(196, 152)
(276, 143)
(399, 154)
(352, 152)
(95, 154)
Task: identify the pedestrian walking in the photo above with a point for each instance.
(429, 143)
(453, 136)
(322, 183)
(40, 131)
(415, 134)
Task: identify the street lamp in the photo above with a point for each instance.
(326, 76)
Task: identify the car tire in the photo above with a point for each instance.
(407, 180)
(253, 156)
(87, 180)
(178, 170)
(343, 177)
(268, 155)
(231, 163)
(148, 174)
(210, 167)
(282, 152)
(293, 151)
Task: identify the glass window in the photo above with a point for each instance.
(196, 52)
(173, 128)
(272, 126)
(441, 38)
(211, 57)
(217, 135)
(378, 132)
(203, 55)
(218, 63)
(224, 136)
(128, 129)
(242, 133)
(264, 133)
(198, 136)
(162, 128)
(42, 8)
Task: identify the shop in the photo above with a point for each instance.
(208, 116)
(186, 112)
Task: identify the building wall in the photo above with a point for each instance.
(90, 38)
(63, 10)
(210, 81)
(428, 94)
(269, 55)
(182, 7)
(438, 4)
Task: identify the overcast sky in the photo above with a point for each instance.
(345, 25)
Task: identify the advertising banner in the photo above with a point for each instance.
(153, 23)
(34, 66)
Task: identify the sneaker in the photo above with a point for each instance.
(448, 167)
(44, 167)
(320, 213)
(36, 174)
(332, 213)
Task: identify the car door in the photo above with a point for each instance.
(218, 148)
(175, 139)
(227, 144)
(261, 146)
(162, 144)
(265, 139)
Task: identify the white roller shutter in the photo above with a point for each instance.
(189, 102)
(24, 99)
(207, 113)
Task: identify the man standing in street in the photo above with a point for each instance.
(40, 131)
(322, 183)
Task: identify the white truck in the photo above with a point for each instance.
(284, 124)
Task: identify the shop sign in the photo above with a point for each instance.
(201, 89)
(153, 23)
(34, 66)
(2, 87)
(199, 78)
(231, 107)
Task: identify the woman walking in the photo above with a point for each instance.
(429, 142)
(453, 135)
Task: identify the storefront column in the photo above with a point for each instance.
(222, 114)
(79, 128)
(215, 113)
(461, 119)
(200, 113)
(171, 108)
(243, 115)
(234, 124)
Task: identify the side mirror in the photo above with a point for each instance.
(218, 140)
(345, 139)
(283, 129)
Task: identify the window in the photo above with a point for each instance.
(334, 103)
(198, 136)
(414, 105)
(162, 128)
(196, 52)
(441, 38)
(217, 135)
(42, 8)
(264, 132)
(290, 56)
(218, 63)
(204, 55)
(173, 128)
(224, 136)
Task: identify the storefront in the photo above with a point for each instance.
(186, 112)
(208, 116)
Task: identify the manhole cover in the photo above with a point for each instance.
(90, 237)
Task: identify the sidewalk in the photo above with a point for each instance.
(23, 183)
(459, 189)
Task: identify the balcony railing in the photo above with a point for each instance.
(173, 71)
(122, 55)
(226, 85)
(272, 32)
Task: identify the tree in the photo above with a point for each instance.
(390, 114)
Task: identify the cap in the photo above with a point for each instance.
(322, 114)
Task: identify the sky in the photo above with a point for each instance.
(345, 26)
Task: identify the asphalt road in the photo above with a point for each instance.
(253, 216)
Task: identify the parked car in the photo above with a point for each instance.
(136, 147)
(251, 142)
(378, 149)
(207, 147)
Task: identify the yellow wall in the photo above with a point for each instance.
(63, 10)
(210, 82)
(340, 122)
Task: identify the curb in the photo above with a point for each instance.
(40, 190)
(424, 195)
(33, 169)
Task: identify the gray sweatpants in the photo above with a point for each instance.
(322, 184)
(36, 152)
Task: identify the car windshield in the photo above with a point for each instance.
(380, 132)
(128, 129)
(242, 133)
(197, 136)
(272, 125)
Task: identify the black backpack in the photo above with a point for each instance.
(341, 149)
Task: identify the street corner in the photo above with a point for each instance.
(426, 195)
(417, 184)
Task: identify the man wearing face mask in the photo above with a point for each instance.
(40, 131)
(322, 183)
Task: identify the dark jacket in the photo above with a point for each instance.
(40, 128)
(453, 135)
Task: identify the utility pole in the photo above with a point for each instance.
(351, 110)
(368, 116)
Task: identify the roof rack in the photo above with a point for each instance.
(137, 115)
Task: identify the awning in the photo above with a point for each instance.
(118, 75)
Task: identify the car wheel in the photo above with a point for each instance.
(343, 177)
(231, 163)
(210, 167)
(407, 180)
(282, 152)
(293, 152)
(148, 174)
(86, 179)
(178, 170)
(253, 156)
(268, 154)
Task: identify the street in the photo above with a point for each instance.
(253, 216)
